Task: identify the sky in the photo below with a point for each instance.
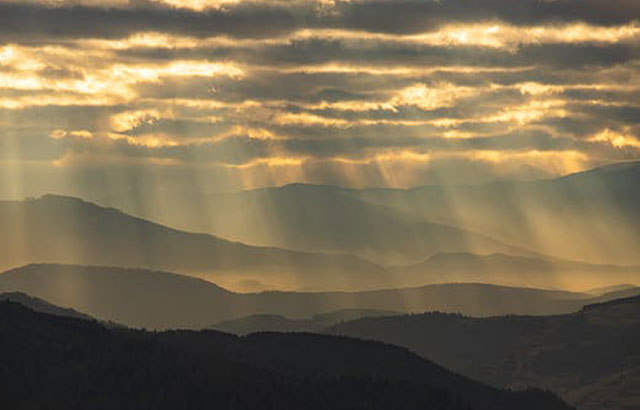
(232, 94)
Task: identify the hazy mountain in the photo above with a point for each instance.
(321, 322)
(79, 364)
(610, 289)
(41, 306)
(56, 229)
(312, 218)
(591, 216)
(591, 358)
(145, 298)
(278, 323)
(516, 271)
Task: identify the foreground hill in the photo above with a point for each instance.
(591, 358)
(41, 306)
(144, 298)
(57, 229)
(78, 364)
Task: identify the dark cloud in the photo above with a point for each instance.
(263, 19)
(335, 101)
(413, 16)
(386, 52)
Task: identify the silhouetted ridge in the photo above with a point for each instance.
(42, 306)
(632, 300)
(78, 364)
(591, 357)
(161, 300)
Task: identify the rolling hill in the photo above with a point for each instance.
(152, 299)
(313, 218)
(278, 323)
(79, 364)
(55, 229)
(591, 357)
(517, 271)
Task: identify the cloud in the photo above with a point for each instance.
(376, 92)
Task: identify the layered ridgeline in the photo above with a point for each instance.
(79, 364)
(591, 358)
(66, 230)
(591, 216)
(314, 218)
(515, 271)
(144, 298)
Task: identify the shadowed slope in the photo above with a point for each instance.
(78, 364)
(592, 357)
(41, 306)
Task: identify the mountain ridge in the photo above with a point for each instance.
(145, 298)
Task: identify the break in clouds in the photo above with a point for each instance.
(238, 94)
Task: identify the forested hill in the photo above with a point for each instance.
(80, 364)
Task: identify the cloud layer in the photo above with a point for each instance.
(362, 92)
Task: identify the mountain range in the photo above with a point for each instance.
(64, 230)
(56, 229)
(161, 300)
(589, 216)
(317, 218)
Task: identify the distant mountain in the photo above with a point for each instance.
(278, 323)
(610, 289)
(144, 298)
(592, 216)
(41, 306)
(78, 364)
(312, 218)
(516, 271)
(56, 229)
(591, 357)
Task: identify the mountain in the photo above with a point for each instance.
(41, 306)
(143, 298)
(78, 364)
(516, 271)
(591, 357)
(312, 218)
(278, 323)
(591, 216)
(610, 289)
(55, 229)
